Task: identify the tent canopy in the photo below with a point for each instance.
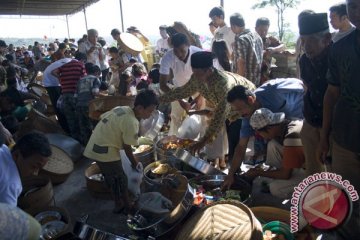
(43, 7)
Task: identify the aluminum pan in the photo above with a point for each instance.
(197, 163)
(151, 127)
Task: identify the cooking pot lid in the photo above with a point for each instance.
(151, 127)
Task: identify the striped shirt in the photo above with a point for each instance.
(249, 47)
(69, 75)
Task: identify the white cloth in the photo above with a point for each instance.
(225, 33)
(10, 183)
(50, 80)
(177, 115)
(182, 71)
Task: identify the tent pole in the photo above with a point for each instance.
(86, 25)
(67, 24)
(121, 15)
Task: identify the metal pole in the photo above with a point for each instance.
(121, 15)
(67, 24)
(85, 18)
(222, 3)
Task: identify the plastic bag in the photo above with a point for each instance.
(154, 202)
(190, 127)
(134, 176)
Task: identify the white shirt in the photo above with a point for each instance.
(50, 80)
(93, 57)
(10, 183)
(182, 71)
(162, 45)
(225, 33)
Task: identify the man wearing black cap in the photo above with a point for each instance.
(213, 85)
(341, 114)
(316, 41)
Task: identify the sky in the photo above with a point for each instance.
(148, 15)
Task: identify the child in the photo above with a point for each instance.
(118, 129)
(87, 89)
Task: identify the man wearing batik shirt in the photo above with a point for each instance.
(271, 45)
(248, 50)
(213, 85)
(342, 114)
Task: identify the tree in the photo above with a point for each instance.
(281, 6)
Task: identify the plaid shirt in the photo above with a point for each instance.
(249, 47)
(214, 90)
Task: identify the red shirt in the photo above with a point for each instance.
(69, 75)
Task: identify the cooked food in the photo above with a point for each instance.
(47, 216)
(268, 235)
(162, 169)
(141, 149)
(179, 143)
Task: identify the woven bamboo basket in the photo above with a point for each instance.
(37, 193)
(38, 121)
(101, 105)
(59, 166)
(97, 189)
(222, 220)
(268, 214)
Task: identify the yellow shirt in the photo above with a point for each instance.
(215, 92)
(116, 127)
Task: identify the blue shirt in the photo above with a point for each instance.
(279, 95)
(10, 183)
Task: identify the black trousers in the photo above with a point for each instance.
(233, 134)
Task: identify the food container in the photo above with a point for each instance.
(145, 154)
(268, 214)
(59, 166)
(222, 220)
(37, 193)
(101, 105)
(55, 221)
(151, 127)
(177, 190)
(197, 163)
(95, 183)
(211, 183)
(166, 146)
(85, 231)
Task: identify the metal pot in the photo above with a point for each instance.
(210, 182)
(87, 232)
(182, 199)
(161, 153)
(146, 157)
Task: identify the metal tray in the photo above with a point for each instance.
(197, 163)
(151, 127)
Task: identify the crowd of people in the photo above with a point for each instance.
(297, 124)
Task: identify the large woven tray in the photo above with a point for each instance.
(222, 220)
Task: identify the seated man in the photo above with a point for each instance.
(30, 154)
(285, 154)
